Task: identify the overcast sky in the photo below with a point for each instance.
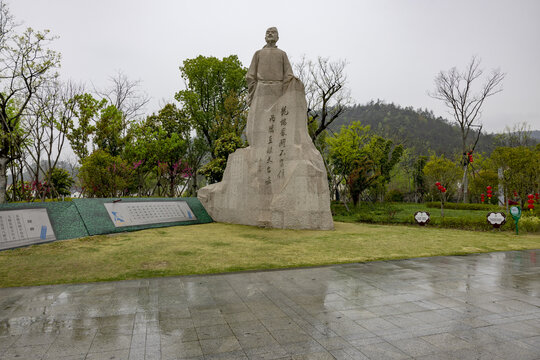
(394, 48)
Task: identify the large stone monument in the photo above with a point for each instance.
(279, 180)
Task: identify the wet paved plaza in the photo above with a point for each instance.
(460, 307)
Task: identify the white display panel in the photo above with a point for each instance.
(151, 212)
(24, 227)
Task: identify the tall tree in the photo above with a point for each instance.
(385, 156)
(25, 65)
(160, 144)
(521, 170)
(348, 160)
(326, 93)
(455, 89)
(108, 131)
(443, 170)
(214, 98)
(82, 126)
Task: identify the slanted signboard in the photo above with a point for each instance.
(497, 219)
(24, 227)
(143, 213)
(515, 211)
(421, 217)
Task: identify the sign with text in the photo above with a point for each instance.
(24, 227)
(497, 219)
(151, 212)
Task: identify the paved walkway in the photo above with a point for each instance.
(459, 307)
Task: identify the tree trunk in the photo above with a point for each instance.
(171, 187)
(465, 185)
(3, 179)
(502, 192)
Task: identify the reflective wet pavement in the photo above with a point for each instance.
(461, 307)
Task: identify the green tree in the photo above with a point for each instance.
(346, 154)
(214, 98)
(347, 147)
(419, 178)
(81, 129)
(104, 175)
(108, 131)
(385, 156)
(521, 169)
(61, 182)
(363, 176)
(443, 170)
(26, 64)
(225, 145)
(160, 144)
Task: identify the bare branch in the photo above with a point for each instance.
(126, 96)
(326, 94)
(455, 89)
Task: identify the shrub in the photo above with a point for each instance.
(394, 195)
(460, 206)
(530, 224)
(104, 175)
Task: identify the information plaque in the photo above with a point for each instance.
(24, 227)
(421, 217)
(151, 212)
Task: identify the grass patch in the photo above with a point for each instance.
(217, 248)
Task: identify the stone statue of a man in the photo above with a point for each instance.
(269, 64)
(279, 180)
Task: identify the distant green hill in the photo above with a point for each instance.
(418, 130)
(535, 134)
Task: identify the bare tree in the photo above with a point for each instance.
(126, 96)
(47, 121)
(326, 94)
(25, 65)
(455, 89)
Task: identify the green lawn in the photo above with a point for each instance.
(217, 247)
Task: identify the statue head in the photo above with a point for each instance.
(272, 36)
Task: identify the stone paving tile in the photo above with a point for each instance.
(220, 345)
(247, 327)
(289, 336)
(447, 341)
(383, 351)
(303, 347)
(232, 355)
(468, 307)
(107, 342)
(25, 352)
(109, 355)
(213, 331)
(349, 353)
(320, 355)
(180, 335)
(256, 340)
(415, 347)
(180, 350)
(152, 353)
(272, 352)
